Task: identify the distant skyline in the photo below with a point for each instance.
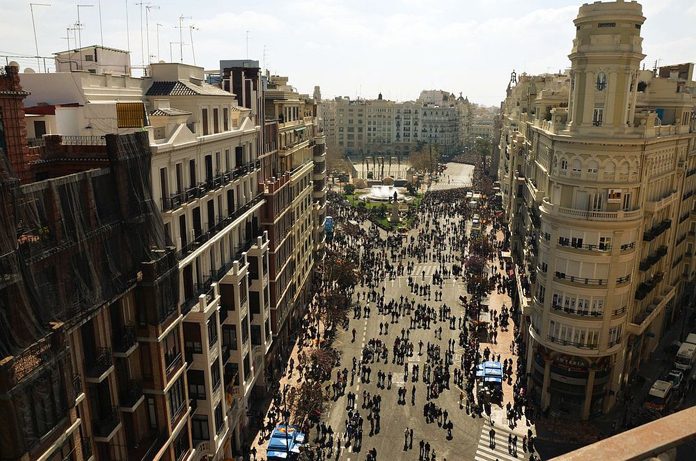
(353, 48)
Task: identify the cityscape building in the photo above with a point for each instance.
(597, 176)
(374, 126)
(173, 364)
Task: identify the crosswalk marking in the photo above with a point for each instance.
(484, 452)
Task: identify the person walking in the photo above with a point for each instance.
(491, 438)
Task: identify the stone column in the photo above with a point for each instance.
(588, 395)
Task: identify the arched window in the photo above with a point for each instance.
(592, 167)
(577, 167)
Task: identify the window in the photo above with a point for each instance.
(606, 24)
(204, 121)
(215, 375)
(131, 115)
(605, 243)
(212, 331)
(176, 398)
(225, 119)
(89, 57)
(218, 418)
(181, 445)
(564, 166)
(229, 336)
(196, 384)
(245, 329)
(597, 116)
(254, 302)
(601, 81)
(171, 347)
(216, 120)
(256, 339)
(199, 427)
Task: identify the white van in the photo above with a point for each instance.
(660, 396)
(686, 356)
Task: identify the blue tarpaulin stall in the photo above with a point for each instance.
(284, 441)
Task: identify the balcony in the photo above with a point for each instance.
(575, 311)
(131, 396)
(221, 223)
(645, 288)
(578, 345)
(657, 230)
(106, 424)
(173, 364)
(148, 446)
(86, 444)
(102, 366)
(602, 247)
(125, 341)
(642, 320)
(657, 205)
(560, 276)
(651, 260)
(590, 215)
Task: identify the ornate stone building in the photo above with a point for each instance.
(597, 174)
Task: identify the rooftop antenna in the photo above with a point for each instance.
(247, 44)
(142, 41)
(171, 55)
(181, 36)
(264, 56)
(79, 28)
(101, 27)
(127, 29)
(67, 36)
(147, 28)
(33, 24)
(158, 41)
(193, 50)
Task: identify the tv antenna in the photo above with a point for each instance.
(158, 41)
(247, 44)
(181, 36)
(193, 50)
(142, 38)
(147, 27)
(33, 24)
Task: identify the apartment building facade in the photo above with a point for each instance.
(597, 174)
(295, 208)
(379, 126)
(191, 359)
(89, 283)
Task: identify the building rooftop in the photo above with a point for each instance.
(183, 88)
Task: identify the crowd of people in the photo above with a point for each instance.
(457, 330)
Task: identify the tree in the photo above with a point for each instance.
(411, 189)
(423, 159)
(480, 246)
(360, 183)
(341, 270)
(349, 189)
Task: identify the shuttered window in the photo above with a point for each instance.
(131, 115)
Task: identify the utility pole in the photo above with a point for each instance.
(181, 36)
(193, 50)
(79, 29)
(36, 42)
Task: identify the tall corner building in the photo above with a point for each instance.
(597, 170)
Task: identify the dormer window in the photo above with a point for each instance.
(601, 81)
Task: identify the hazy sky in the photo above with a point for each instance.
(356, 47)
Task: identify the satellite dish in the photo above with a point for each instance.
(162, 61)
(29, 70)
(14, 64)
